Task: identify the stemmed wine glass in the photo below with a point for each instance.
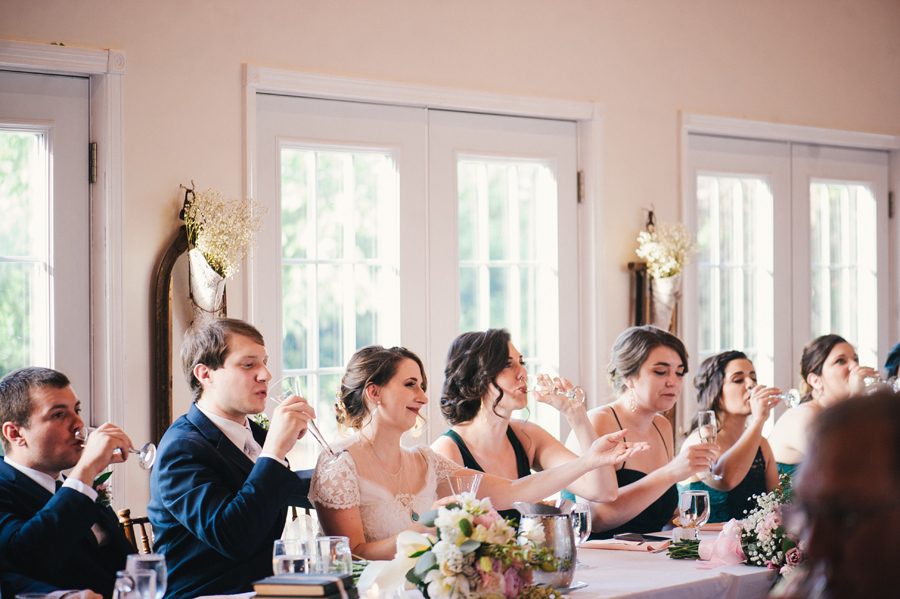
(290, 385)
(706, 425)
(581, 523)
(693, 510)
(874, 383)
(464, 482)
(544, 386)
(146, 454)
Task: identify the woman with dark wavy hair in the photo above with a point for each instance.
(484, 383)
(831, 372)
(726, 384)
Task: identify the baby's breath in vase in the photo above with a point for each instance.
(667, 249)
(221, 232)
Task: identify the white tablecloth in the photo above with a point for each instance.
(633, 574)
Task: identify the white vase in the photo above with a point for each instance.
(207, 288)
(665, 294)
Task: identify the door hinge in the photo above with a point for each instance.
(890, 204)
(92, 169)
(580, 183)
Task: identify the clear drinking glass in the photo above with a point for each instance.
(791, 398)
(333, 555)
(693, 510)
(291, 556)
(146, 454)
(464, 482)
(290, 385)
(581, 524)
(543, 384)
(140, 584)
(150, 561)
(709, 431)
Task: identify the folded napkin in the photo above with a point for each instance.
(714, 526)
(624, 545)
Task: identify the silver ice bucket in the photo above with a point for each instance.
(559, 536)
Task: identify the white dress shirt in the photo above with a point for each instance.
(240, 435)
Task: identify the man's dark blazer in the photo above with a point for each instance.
(48, 537)
(214, 512)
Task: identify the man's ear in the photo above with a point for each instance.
(13, 433)
(203, 373)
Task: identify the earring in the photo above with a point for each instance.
(632, 400)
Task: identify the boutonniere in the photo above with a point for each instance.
(261, 419)
(104, 490)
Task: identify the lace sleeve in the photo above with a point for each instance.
(443, 466)
(336, 487)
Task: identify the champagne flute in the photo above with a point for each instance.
(581, 523)
(150, 561)
(693, 510)
(546, 387)
(706, 425)
(146, 454)
(290, 385)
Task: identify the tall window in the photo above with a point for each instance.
(24, 251)
(843, 250)
(735, 268)
(340, 262)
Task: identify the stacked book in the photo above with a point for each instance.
(321, 586)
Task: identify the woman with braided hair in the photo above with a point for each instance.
(726, 384)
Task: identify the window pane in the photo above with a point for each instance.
(24, 252)
(735, 268)
(509, 247)
(340, 267)
(844, 264)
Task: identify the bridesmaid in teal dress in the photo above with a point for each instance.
(726, 384)
(830, 372)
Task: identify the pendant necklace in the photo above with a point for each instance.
(406, 502)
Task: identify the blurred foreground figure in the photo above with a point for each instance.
(847, 500)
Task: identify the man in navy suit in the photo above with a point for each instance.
(50, 530)
(221, 486)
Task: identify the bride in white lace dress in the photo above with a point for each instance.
(383, 487)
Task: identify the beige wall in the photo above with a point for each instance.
(827, 63)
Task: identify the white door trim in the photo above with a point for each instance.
(588, 116)
(106, 70)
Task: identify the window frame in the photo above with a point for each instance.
(589, 119)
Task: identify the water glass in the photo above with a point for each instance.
(333, 555)
(291, 556)
(581, 525)
(464, 482)
(150, 561)
(139, 584)
(693, 510)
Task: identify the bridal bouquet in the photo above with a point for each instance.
(474, 554)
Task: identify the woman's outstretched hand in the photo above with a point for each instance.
(612, 449)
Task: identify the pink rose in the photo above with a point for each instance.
(793, 557)
(772, 520)
(487, 519)
(512, 584)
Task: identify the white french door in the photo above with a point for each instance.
(45, 230)
(793, 244)
(375, 213)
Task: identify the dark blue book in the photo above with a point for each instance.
(305, 585)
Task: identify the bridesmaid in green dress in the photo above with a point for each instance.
(726, 384)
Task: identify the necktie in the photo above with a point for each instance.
(59, 485)
(251, 447)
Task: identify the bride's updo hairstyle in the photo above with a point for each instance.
(372, 365)
(631, 349)
(473, 362)
(813, 359)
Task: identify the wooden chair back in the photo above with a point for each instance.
(136, 531)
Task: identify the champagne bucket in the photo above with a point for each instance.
(559, 537)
